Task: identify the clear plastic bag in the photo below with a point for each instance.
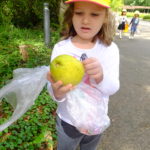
(24, 88)
(87, 110)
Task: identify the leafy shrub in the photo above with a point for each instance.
(142, 15)
(28, 13)
(35, 130)
(5, 12)
(146, 17)
(9, 50)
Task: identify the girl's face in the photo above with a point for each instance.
(136, 15)
(124, 13)
(88, 19)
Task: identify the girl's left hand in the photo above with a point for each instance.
(94, 69)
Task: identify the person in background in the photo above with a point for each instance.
(122, 22)
(88, 29)
(134, 24)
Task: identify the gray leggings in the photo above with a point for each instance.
(69, 138)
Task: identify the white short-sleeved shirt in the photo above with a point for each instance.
(122, 19)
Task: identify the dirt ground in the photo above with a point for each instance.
(129, 109)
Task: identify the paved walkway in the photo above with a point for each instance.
(129, 109)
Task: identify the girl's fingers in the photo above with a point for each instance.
(62, 89)
(67, 88)
(92, 65)
(49, 77)
(88, 60)
(95, 76)
(57, 85)
(93, 71)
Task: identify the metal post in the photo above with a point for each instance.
(46, 24)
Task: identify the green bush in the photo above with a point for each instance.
(147, 17)
(27, 13)
(10, 57)
(142, 15)
(6, 13)
(35, 130)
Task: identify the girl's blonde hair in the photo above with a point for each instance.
(106, 33)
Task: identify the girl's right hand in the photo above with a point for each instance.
(59, 89)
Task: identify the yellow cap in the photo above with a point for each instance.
(103, 3)
(137, 12)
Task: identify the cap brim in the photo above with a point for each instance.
(100, 4)
(136, 13)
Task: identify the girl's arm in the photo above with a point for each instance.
(131, 21)
(110, 83)
(105, 75)
(56, 89)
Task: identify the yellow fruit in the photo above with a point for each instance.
(67, 69)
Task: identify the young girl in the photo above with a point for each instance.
(122, 22)
(89, 30)
(134, 23)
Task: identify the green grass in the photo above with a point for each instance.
(29, 132)
(10, 58)
(36, 128)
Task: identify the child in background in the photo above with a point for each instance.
(134, 23)
(122, 22)
(89, 29)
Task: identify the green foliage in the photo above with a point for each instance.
(137, 2)
(27, 13)
(5, 12)
(10, 57)
(35, 130)
(31, 131)
(146, 17)
(116, 4)
(10, 54)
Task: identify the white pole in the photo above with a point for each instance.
(46, 24)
